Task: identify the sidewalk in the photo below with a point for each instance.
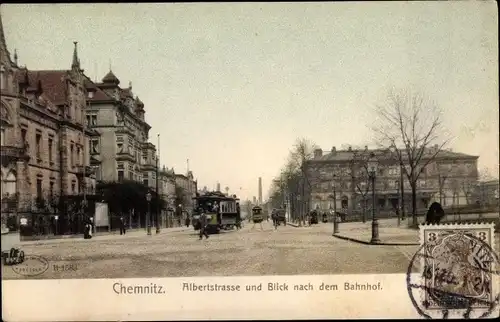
(389, 231)
(102, 236)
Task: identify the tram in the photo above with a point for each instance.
(223, 212)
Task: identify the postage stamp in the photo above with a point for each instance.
(458, 272)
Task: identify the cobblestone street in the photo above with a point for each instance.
(287, 251)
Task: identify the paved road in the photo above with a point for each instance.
(287, 251)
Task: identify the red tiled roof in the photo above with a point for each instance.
(52, 81)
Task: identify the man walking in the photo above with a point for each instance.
(122, 226)
(203, 226)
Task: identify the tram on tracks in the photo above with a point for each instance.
(223, 212)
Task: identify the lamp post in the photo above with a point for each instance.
(180, 212)
(300, 213)
(148, 217)
(398, 212)
(335, 217)
(372, 170)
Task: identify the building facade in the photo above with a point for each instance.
(486, 194)
(189, 187)
(339, 179)
(43, 138)
(120, 150)
(167, 184)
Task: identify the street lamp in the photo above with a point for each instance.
(398, 212)
(372, 171)
(335, 221)
(148, 218)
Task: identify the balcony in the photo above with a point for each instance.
(81, 170)
(125, 156)
(13, 153)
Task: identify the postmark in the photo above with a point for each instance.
(457, 272)
(32, 265)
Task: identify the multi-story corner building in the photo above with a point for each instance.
(121, 150)
(341, 176)
(189, 187)
(43, 138)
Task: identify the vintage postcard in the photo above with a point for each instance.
(195, 161)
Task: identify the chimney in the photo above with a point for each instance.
(334, 150)
(318, 153)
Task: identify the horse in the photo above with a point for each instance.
(434, 214)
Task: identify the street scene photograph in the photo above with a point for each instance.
(243, 139)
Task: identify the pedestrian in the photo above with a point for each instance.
(203, 226)
(122, 226)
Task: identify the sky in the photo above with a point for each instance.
(231, 86)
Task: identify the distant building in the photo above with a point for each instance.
(189, 188)
(449, 179)
(487, 193)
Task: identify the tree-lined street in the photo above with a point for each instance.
(178, 252)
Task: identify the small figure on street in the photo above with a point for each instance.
(187, 222)
(87, 233)
(122, 226)
(203, 226)
(274, 217)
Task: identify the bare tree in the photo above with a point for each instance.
(410, 124)
(293, 178)
(358, 168)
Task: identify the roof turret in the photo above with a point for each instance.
(110, 78)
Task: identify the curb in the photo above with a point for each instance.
(359, 241)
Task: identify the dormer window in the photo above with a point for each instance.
(91, 94)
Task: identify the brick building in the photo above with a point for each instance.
(44, 140)
(450, 178)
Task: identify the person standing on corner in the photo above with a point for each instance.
(122, 226)
(203, 225)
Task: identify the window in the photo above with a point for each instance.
(145, 182)
(73, 187)
(97, 171)
(93, 119)
(119, 148)
(2, 138)
(38, 145)
(120, 175)
(131, 175)
(78, 156)
(145, 156)
(71, 155)
(51, 142)
(94, 146)
(91, 94)
(39, 188)
(51, 189)
(23, 136)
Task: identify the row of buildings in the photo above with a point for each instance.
(339, 179)
(61, 133)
